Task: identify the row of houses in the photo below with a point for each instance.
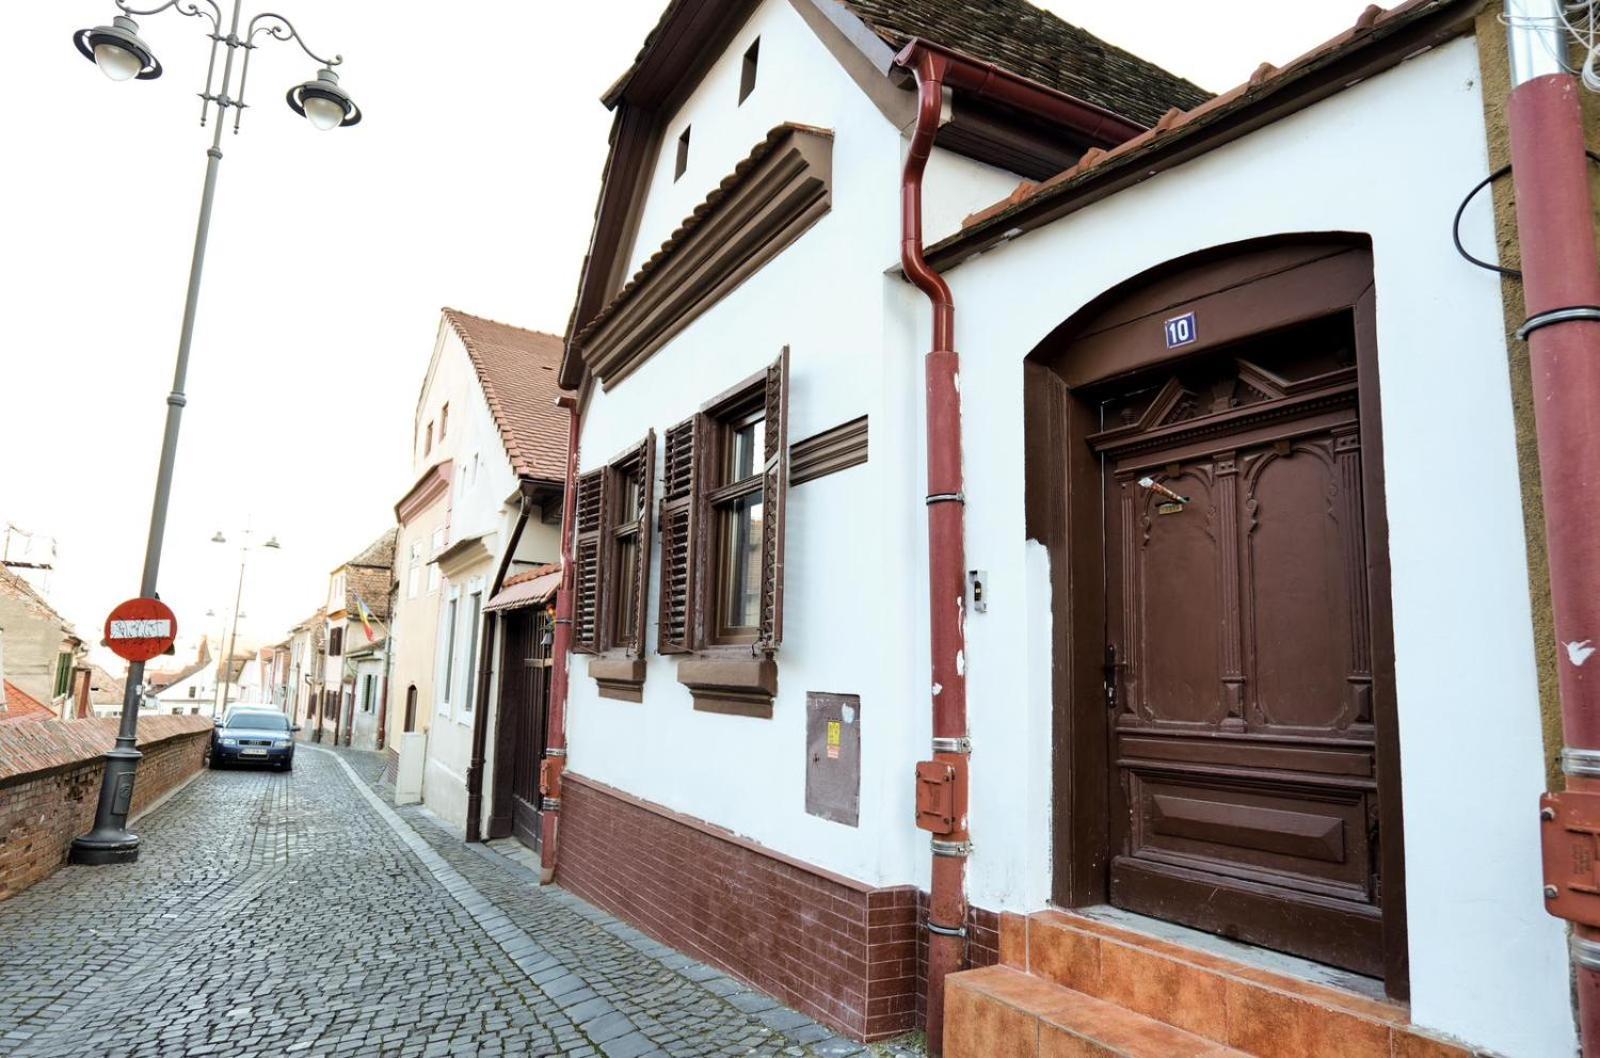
(1143, 669)
(45, 671)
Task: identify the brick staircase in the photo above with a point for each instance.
(1068, 986)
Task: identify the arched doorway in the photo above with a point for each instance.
(411, 708)
(1204, 464)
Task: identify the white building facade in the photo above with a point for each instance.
(759, 696)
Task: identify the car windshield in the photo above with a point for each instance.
(259, 721)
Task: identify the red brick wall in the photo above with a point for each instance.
(841, 952)
(43, 809)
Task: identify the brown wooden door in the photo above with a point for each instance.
(524, 705)
(1242, 759)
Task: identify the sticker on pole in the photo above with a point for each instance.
(141, 629)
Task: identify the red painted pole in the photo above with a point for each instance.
(555, 754)
(1561, 273)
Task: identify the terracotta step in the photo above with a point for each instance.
(999, 1012)
(1252, 1010)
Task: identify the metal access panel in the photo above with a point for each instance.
(833, 757)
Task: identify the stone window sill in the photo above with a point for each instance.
(738, 686)
(620, 678)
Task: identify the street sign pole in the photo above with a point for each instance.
(110, 841)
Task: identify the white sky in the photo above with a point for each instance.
(470, 183)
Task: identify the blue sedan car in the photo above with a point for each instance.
(253, 736)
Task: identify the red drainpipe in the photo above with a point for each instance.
(555, 753)
(1561, 291)
(942, 783)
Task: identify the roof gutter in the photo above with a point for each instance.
(987, 81)
(1561, 294)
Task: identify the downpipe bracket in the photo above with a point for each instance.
(1580, 762)
(1585, 952)
(958, 849)
(1555, 316)
(961, 745)
(946, 931)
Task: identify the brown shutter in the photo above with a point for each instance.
(775, 500)
(641, 591)
(680, 492)
(586, 564)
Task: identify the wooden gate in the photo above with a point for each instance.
(522, 724)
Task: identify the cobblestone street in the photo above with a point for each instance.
(299, 914)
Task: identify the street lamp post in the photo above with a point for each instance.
(233, 634)
(121, 55)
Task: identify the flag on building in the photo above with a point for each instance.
(367, 620)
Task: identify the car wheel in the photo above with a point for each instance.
(214, 762)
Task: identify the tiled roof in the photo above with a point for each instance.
(1016, 36)
(531, 574)
(518, 371)
(12, 584)
(22, 707)
(1027, 40)
(29, 748)
(379, 553)
(1372, 27)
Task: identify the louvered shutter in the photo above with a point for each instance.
(586, 563)
(680, 494)
(775, 500)
(641, 591)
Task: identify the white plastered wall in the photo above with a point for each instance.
(842, 635)
(1389, 158)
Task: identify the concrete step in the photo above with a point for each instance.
(1254, 1011)
(1001, 1012)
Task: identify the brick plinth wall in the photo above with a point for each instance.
(983, 948)
(50, 783)
(839, 951)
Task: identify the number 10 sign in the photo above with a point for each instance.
(1181, 330)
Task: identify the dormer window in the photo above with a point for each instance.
(747, 75)
(444, 420)
(683, 154)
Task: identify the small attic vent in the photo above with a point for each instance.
(683, 153)
(747, 76)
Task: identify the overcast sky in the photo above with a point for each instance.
(470, 183)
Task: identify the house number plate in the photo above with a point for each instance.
(1181, 330)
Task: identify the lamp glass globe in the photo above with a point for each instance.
(323, 113)
(119, 64)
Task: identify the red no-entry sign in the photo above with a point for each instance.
(141, 629)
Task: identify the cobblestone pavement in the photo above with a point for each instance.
(300, 914)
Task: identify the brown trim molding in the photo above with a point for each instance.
(619, 678)
(434, 482)
(828, 452)
(736, 686)
(768, 202)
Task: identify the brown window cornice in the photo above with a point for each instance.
(770, 199)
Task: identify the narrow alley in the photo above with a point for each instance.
(298, 914)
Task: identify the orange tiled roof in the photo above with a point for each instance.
(1374, 24)
(24, 707)
(517, 369)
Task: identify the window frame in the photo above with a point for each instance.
(474, 620)
(746, 409)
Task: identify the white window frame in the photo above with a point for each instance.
(475, 599)
(437, 542)
(414, 570)
(449, 609)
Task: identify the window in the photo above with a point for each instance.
(427, 440)
(683, 154)
(63, 673)
(369, 687)
(747, 74)
(727, 466)
(450, 651)
(192, 690)
(336, 641)
(613, 552)
(414, 570)
(469, 690)
(444, 418)
(437, 544)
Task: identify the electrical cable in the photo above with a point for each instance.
(1455, 227)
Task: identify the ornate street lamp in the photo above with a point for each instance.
(122, 55)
